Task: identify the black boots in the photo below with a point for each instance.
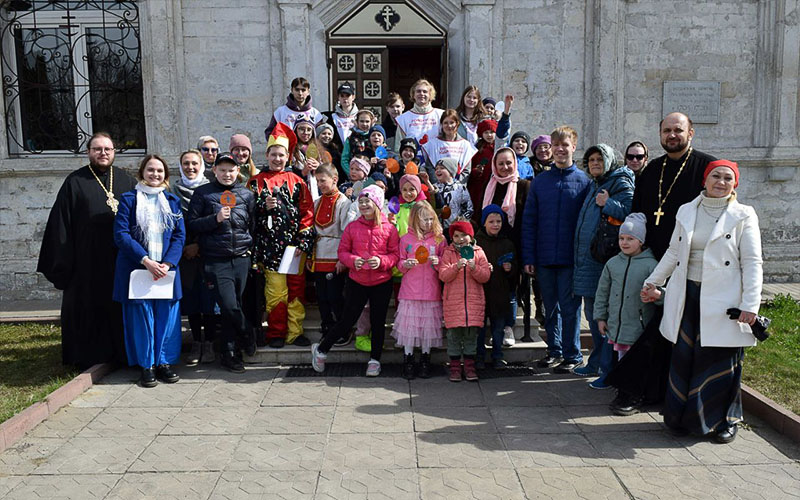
(408, 367)
(425, 365)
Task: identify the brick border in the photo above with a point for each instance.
(14, 429)
(778, 417)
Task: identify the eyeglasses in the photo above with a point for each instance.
(102, 150)
(634, 157)
(206, 150)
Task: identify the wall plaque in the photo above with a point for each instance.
(698, 100)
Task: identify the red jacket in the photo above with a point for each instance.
(464, 302)
(363, 238)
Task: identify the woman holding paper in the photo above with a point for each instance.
(149, 232)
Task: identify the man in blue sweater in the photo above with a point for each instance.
(549, 221)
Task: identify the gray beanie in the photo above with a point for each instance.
(451, 164)
(634, 225)
(324, 126)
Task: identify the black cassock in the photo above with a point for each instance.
(78, 256)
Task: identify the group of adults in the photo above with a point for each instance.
(691, 353)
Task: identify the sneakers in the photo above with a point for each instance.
(208, 355)
(165, 374)
(301, 341)
(373, 368)
(455, 370)
(585, 371)
(193, 358)
(364, 343)
(567, 366)
(549, 361)
(317, 359)
(499, 364)
(599, 383)
(508, 337)
(344, 340)
(469, 370)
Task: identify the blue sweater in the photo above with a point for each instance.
(619, 184)
(551, 214)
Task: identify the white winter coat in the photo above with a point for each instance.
(731, 275)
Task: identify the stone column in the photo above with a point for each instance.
(479, 56)
(296, 53)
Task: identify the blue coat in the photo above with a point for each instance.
(550, 216)
(127, 237)
(618, 181)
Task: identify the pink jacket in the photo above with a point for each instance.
(464, 302)
(421, 282)
(362, 238)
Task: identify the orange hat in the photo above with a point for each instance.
(284, 136)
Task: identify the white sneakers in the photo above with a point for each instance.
(373, 368)
(508, 336)
(317, 359)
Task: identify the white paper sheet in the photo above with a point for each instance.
(142, 286)
(289, 263)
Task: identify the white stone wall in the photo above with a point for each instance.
(596, 65)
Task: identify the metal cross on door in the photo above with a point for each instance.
(366, 69)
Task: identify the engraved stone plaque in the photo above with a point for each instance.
(698, 100)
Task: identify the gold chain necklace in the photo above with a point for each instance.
(112, 202)
(661, 201)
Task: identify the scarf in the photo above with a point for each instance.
(509, 205)
(153, 219)
(423, 111)
(191, 184)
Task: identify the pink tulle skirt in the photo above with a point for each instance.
(418, 323)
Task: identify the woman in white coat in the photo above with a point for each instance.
(714, 263)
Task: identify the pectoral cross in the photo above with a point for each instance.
(112, 202)
(658, 215)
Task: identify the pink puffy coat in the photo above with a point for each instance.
(463, 302)
(362, 238)
(421, 282)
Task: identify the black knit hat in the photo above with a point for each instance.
(523, 135)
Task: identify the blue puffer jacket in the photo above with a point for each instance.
(550, 215)
(618, 180)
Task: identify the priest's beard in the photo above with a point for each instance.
(676, 148)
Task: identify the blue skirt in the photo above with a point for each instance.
(704, 386)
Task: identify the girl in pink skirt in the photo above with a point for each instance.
(418, 322)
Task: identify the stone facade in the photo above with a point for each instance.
(596, 65)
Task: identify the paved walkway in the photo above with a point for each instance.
(261, 435)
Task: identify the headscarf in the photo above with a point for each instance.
(509, 204)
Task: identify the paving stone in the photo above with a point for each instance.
(550, 450)
(517, 392)
(440, 392)
(94, 455)
(299, 392)
(200, 421)
(291, 420)
(640, 449)
(598, 418)
(229, 394)
(518, 420)
(470, 483)
(396, 484)
(72, 486)
(8, 483)
(747, 449)
(279, 452)
(164, 486)
(372, 418)
(100, 395)
(289, 485)
(473, 451)
(65, 423)
(160, 396)
(28, 454)
(194, 374)
(590, 483)
(186, 453)
(453, 419)
(380, 391)
(252, 374)
(134, 422)
(370, 451)
(669, 483)
(127, 375)
(576, 391)
(755, 482)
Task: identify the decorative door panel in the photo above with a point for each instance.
(366, 68)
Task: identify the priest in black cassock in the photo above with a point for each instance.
(78, 256)
(665, 184)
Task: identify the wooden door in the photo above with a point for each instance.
(366, 68)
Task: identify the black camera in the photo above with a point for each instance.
(759, 328)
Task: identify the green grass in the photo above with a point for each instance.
(30, 365)
(773, 366)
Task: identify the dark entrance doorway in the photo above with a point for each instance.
(409, 64)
